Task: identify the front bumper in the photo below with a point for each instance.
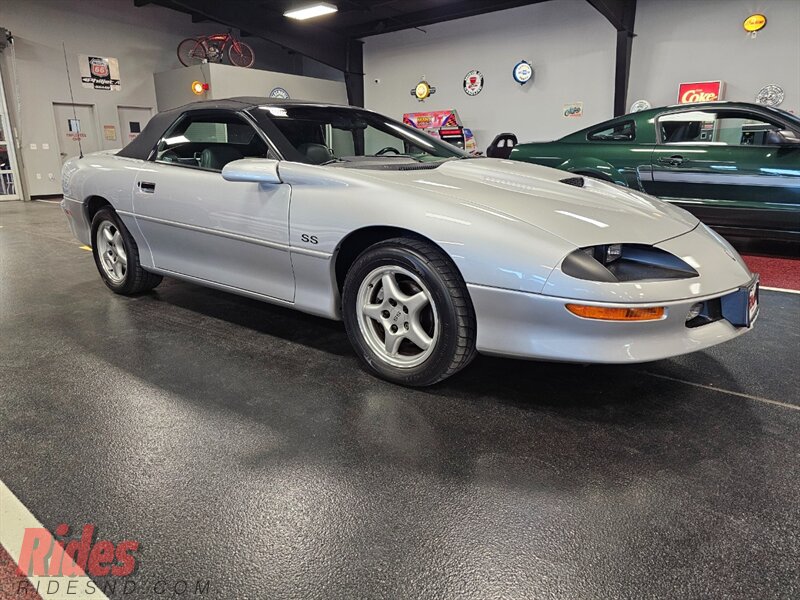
(526, 325)
(76, 217)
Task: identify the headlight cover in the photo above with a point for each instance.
(615, 263)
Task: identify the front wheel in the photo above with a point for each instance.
(408, 313)
(241, 55)
(117, 255)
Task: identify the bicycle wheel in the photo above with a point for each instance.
(191, 52)
(240, 54)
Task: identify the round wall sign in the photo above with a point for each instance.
(279, 93)
(754, 23)
(770, 95)
(473, 83)
(640, 105)
(523, 72)
(423, 90)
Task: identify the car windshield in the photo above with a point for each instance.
(323, 135)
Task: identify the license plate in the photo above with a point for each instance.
(752, 302)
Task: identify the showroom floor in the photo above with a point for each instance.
(241, 443)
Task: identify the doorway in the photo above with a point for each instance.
(132, 120)
(8, 164)
(76, 127)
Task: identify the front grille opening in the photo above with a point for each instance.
(712, 311)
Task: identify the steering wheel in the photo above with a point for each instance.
(387, 149)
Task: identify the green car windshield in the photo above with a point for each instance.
(325, 134)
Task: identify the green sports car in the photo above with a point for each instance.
(735, 165)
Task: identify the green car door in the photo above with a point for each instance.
(732, 167)
(735, 165)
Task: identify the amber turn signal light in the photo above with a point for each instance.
(604, 313)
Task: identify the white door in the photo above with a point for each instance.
(132, 120)
(77, 129)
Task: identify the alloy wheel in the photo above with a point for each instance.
(111, 250)
(397, 316)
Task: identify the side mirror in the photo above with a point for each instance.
(787, 137)
(252, 170)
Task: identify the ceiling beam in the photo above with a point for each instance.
(447, 12)
(620, 13)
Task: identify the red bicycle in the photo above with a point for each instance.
(212, 48)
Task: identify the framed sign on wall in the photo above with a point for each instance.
(701, 91)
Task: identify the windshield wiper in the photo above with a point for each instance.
(333, 160)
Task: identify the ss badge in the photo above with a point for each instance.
(309, 239)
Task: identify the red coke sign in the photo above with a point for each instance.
(700, 91)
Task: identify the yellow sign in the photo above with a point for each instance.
(422, 91)
(754, 23)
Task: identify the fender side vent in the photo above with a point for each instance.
(575, 181)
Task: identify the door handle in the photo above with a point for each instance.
(672, 161)
(147, 186)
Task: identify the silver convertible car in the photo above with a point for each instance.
(427, 254)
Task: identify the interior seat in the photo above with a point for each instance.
(687, 131)
(316, 154)
(501, 146)
(216, 157)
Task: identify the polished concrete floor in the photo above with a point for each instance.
(242, 444)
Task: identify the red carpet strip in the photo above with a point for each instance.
(776, 272)
(12, 584)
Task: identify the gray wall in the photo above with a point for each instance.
(173, 87)
(570, 45)
(688, 40)
(143, 39)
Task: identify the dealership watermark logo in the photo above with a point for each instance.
(43, 555)
(59, 564)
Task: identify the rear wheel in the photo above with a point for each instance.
(407, 312)
(241, 55)
(117, 256)
(191, 52)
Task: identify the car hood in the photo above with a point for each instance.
(597, 213)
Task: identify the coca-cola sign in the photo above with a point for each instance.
(700, 91)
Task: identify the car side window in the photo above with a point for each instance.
(209, 141)
(618, 132)
(721, 128)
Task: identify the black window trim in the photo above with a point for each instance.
(716, 109)
(611, 125)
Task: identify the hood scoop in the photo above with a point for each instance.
(573, 181)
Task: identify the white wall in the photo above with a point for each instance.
(571, 46)
(144, 39)
(225, 81)
(687, 40)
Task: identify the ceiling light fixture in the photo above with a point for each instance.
(310, 12)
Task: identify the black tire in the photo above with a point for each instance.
(454, 345)
(191, 52)
(135, 279)
(243, 57)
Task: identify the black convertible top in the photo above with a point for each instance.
(141, 146)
